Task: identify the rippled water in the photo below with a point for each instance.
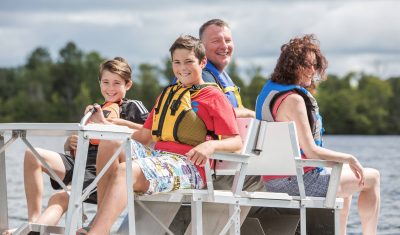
(380, 152)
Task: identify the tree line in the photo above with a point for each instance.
(44, 90)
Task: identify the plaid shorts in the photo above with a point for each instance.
(316, 184)
(166, 171)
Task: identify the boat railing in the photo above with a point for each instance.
(85, 132)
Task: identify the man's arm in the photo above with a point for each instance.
(243, 112)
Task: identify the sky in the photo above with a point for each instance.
(357, 36)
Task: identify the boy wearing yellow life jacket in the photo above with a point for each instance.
(173, 163)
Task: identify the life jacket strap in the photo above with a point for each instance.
(235, 91)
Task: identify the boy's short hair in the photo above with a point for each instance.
(190, 43)
(217, 22)
(119, 66)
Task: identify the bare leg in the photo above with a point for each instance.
(33, 180)
(57, 206)
(115, 198)
(369, 198)
(105, 151)
(9, 231)
(369, 202)
(344, 214)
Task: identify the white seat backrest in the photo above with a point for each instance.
(244, 125)
(275, 146)
(230, 168)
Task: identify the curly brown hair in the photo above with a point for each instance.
(292, 60)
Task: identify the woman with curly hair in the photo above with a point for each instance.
(287, 97)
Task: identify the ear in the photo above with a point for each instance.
(128, 85)
(203, 62)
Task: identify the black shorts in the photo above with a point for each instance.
(90, 173)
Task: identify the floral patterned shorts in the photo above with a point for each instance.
(164, 170)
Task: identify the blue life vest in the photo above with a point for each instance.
(271, 91)
(211, 74)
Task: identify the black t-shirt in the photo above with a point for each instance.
(134, 111)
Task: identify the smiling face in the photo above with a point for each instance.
(219, 45)
(308, 70)
(113, 87)
(187, 67)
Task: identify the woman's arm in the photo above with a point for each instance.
(243, 112)
(293, 108)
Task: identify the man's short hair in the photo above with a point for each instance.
(217, 22)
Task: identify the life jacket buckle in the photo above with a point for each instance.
(174, 106)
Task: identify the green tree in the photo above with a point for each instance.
(233, 71)
(26, 89)
(38, 58)
(47, 91)
(7, 91)
(67, 76)
(336, 101)
(167, 71)
(394, 107)
(37, 72)
(354, 104)
(90, 77)
(148, 87)
(256, 83)
(374, 103)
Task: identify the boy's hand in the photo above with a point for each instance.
(72, 142)
(98, 116)
(201, 153)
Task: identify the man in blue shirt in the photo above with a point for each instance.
(216, 36)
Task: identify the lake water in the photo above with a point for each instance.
(380, 152)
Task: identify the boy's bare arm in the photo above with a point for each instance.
(123, 122)
(143, 136)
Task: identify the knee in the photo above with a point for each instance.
(30, 159)
(106, 150)
(375, 177)
(120, 171)
(59, 198)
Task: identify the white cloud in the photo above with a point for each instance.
(355, 35)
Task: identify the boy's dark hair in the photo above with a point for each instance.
(217, 22)
(119, 66)
(189, 43)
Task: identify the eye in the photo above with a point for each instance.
(309, 65)
(189, 61)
